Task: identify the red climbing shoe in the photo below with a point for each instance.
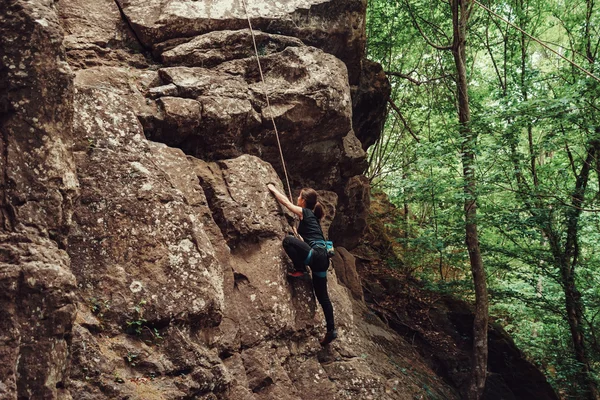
(329, 337)
(295, 274)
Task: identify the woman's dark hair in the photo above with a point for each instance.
(310, 198)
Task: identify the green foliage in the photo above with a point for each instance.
(536, 117)
(131, 358)
(98, 306)
(139, 326)
(137, 323)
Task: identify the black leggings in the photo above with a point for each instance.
(298, 250)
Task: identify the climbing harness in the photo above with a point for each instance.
(267, 99)
(321, 274)
(325, 244)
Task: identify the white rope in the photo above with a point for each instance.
(268, 103)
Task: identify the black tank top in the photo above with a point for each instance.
(310, 228)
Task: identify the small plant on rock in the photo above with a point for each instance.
(137, 323)
(118, 378)
(131, 358)
(99, 307)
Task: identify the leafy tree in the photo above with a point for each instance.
(533, 151)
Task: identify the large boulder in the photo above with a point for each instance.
(181, 278)
(208, 98)
(345, 267)
(353, 210)
(309, 101)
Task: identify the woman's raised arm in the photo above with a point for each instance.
(285, 201)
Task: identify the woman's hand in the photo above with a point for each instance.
(284, 200)
(296, 234)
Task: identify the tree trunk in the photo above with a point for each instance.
(566, 259)
(574, 308)
(460, 14)
(568, 263)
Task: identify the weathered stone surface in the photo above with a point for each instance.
(225, 112)
(138, 201)
(306, 88)
(353, 210)
(37, 184)
(345, 268)
(155, 212)
(354, 160)
(336, 26)
(37, 309)
(369, 100)
(194, 82)
(236, 193)
(130, 84)
(329, 201)
(311, 105)
(214, 48)
(96, 35)
(375, 364)
(180, 115)
(38, 180)
(312, 110)
(262, 321)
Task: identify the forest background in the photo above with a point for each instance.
(533, 140)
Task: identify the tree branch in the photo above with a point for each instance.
(425, 37)
(406, 125)
(415, 81)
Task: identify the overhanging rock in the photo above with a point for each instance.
(336, 26)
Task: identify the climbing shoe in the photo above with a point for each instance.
(329, 337)
(295, 274)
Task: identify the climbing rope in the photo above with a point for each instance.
(268, 103)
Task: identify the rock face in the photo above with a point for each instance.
(140, 249)
(336, 26)
(221, 113)
(345, 267)
(38, 184)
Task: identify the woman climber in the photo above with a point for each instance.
(310, 249)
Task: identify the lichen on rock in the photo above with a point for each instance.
(141, 248)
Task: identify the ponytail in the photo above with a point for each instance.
(310, 198)
(319, 211)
